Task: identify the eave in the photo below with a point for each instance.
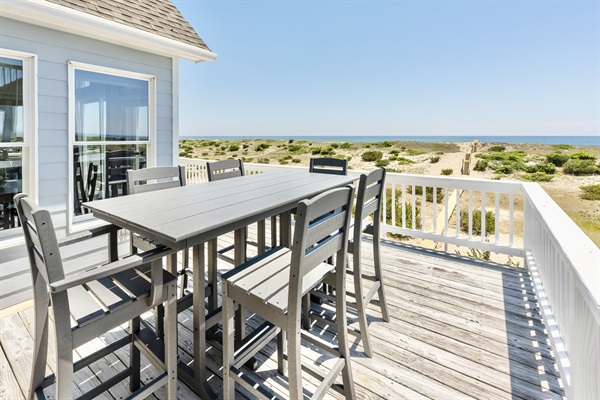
(50, 15)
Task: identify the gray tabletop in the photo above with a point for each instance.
(184, 216)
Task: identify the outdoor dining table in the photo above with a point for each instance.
(189, 216)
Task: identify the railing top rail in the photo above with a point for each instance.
(575, 246)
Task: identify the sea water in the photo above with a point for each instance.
(572, 140)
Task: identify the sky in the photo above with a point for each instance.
(357, 68)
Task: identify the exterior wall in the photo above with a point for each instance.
(54, 49)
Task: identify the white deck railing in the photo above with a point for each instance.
(564, 262)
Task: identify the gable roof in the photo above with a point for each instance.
(159, 17)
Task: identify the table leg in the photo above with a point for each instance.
(196, 377)
(285, 226)
(240, 258)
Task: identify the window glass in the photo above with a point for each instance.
(111, 134)
(11, 131)
(110, 108)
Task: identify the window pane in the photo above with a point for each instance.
(11, 100)
(100, 171)
(11, 183)
(110, 108)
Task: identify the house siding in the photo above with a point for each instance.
(54, 50)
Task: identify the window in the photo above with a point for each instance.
(16, 131)
(112, 130)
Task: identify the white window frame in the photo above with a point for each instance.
(82, 222)
(30, 131)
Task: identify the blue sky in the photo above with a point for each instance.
(393, 68)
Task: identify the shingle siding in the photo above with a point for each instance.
(160, 17)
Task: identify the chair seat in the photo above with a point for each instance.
(266, 278)
(96, 299)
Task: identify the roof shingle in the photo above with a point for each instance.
(166, 20)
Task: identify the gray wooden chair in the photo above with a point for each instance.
(333, 166)
(94, 300)
(225, 169)
(273, 285)
(367, 220)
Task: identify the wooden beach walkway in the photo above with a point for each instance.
(460, 328)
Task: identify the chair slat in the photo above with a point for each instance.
(83, 307)
(132, 283)
(325, 227)
(109, 294)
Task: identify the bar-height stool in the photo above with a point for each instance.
(272, 286)
(149, 180)
(225, 169)
(367, 220)
(94, 300)
(335, 166)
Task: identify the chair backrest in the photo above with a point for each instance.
(225, 169)
(321, 231)
(154, 178)
(42, 246)
(333, 166)
(369, 199)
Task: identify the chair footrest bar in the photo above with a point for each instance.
(152, 347)
(320, 343)
(329, 380)
(213, 318)
(330, 322)
(145, 391)
(252, 343)
(372, 292)
(250, 385)
(104, 386)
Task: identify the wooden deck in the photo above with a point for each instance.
(460, 328)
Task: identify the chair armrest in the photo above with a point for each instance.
(88, 234)
(98, 272)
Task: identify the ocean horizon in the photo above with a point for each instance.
(571, 140)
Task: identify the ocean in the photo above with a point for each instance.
(572, 140)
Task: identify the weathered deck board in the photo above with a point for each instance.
(459, 329)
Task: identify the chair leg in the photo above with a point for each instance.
(342, 332)
(281, 345)
(134, 356)
(379, 275)
(306, 322)
(261, 233)
(228, 345)
(184, 276)
(294, 353)
(273, 231)
(360, 302)
(171, 340)
(64, 348)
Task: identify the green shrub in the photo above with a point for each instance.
(296, 160)
(283, 162)
(262, 146)
(395, 152)
(434, 160)
(382, 163)
(263, 161)
(497, 149)
(581, 167)
(386, 143)
(245, 145)
(346, 145)
(296, 148)
(291, 141)
(288, 157)
(590, 192)
(393, 158)
(448, 171)
(557, 159)
(412, 152)
(480, 165)
(546, 168)
(315, 151)
(561, 147)
(503, 169)
(372, 155)
(335, 145)
(582, 155)
(327, 151)
(249, 159)
(234, 147)
(205, 153)
(403, 161)
(536, 177)
(490, 222)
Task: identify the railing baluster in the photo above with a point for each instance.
(434, 209)
(457, 212)
(424, 209)
(403, 206)
(497, 224)
(393, 204)
(511, 219)
(414, 208)
(446, 211)
(483, 216)
(470, 214)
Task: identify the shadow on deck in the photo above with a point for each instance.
(460, 328)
